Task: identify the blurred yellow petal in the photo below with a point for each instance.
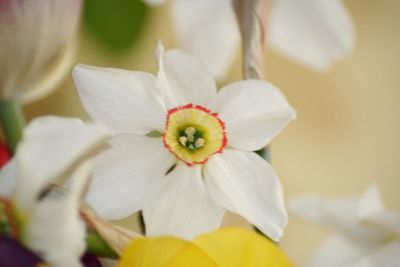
(164, 252)
(233, 247)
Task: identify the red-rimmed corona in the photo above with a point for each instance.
(193, 133)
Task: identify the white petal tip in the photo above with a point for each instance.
(159, 50)
(370, 203)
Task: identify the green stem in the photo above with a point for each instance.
(98, 246)
(12, 122)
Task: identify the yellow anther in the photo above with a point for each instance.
(199, 143)
(190, 131)
(183, 140)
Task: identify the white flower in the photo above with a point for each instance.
(367, 235)
(182, 152)
(48, 216)
(36, 45)
(313, 32)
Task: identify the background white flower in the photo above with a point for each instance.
(367, 235)
(313, 32)
(182, 152)
(48, 216)
(36, 46)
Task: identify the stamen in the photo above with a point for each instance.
(190, 137)
(199, 143)
(190, 130)
(183, 140)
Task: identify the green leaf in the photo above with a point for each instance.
(117, 24)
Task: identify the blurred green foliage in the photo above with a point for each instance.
(117, 24)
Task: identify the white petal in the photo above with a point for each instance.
(338, 251)
(244, 183)
(126, 101)
(183, 80)
(387, 256)
(340, 214)
(123, 174)
(371, 210)
(317, 33)
(180, 205)
(207, 30)
(254, 112)
(54, 228)
(51, 145)
(8, 177)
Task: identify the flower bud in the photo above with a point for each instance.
(36, 45)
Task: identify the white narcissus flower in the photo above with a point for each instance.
(367, 235)
(49, 221)
(182, 152)
(313, 32)
(36, 46)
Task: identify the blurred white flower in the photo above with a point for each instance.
(313, 32)
(182, 152)
(367, 235)
(48, 217)
(36, 46)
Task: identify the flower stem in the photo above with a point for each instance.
(12, 122)
(98, 246)
(252, 17)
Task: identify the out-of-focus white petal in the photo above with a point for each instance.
(313, 32)
(183, 80)
(340, 214)
(207, 30)
(254, 112)
(370, 203)
(51, 145)
(180, 205)
(54, 228)
(338, 251)
(126, 101)
(154, 2)
(34, 36)
(387, 256)
(124, 172)
(8, 177)
(244, 183)
(371, 210)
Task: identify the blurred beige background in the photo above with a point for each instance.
(347, 133)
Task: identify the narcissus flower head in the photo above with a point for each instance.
(181, 151)
(230, 247)
(312, 32)
(366, 233)
(44, 217)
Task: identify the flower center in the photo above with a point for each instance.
(194, 133)
(191, 139)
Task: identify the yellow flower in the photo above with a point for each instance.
(229, 247)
